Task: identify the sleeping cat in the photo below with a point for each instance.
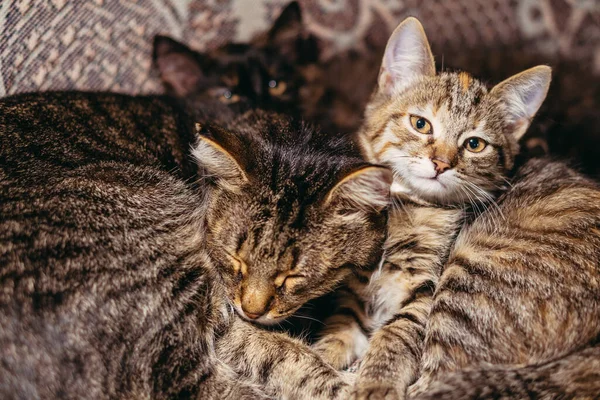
(120, 279)
(451, 144)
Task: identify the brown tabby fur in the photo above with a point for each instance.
(433, 205)
(521, 294)
(119, 278)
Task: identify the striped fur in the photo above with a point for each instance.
(116, 275)
(521, 295)
(574, 376)
(433, 202)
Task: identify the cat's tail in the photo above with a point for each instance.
(575, 376)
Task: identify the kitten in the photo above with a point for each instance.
(451, 144)
(265, 73)
(279, 70)
(120, 279)
(517, 305)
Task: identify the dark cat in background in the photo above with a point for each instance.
(279, 70)
(265, 72)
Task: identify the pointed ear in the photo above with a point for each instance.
(289, 36)
(407, 56)
(220, 155)
(288, 26)
(366, 187)
(522, 95)
(178, 65)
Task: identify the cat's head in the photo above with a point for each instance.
(446, 137)
(264, 73)
(287, 219)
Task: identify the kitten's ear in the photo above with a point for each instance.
(288, 34)
(407, 56)
(522, 95)
(288, 26)
(178, 65)
(365, 187)
(220, 154)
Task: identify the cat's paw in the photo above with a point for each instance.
(375, 391)
(419, 387)
(335, 354)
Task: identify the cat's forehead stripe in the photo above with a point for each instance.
(465, 81)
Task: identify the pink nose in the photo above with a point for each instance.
(440, 166)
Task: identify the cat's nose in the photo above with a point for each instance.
(256, 299)
(251, 315)
(440, 166)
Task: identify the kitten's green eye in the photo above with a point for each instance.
(420, 124)
(475, 145)
(277, 88)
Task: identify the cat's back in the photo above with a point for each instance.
(51, 131)
(101, 251)
(523, 279)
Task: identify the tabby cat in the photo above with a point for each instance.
(452, 145)
(517, 303)
(121, 279)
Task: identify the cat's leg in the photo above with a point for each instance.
(225, 384)
(284, 366)
(572, 376)
(344, 339)
(418, 243)
(391, 362)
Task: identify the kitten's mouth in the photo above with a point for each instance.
(435, 178)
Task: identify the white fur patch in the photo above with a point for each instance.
(388, 289)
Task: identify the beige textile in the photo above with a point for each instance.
(106, 44)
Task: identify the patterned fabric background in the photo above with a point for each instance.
(106, 44)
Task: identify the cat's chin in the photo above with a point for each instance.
(431, 190)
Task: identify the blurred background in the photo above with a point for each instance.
(106, 45)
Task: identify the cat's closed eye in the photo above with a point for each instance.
(291, 282)
(475, 145)
(421, 125)
(277, 88)
(237, 263)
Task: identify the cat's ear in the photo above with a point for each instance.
(220, 155)
(289, 36)
(407, 56)
(288, 26)
(178, 65)
(522, 95)
(364, 187)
